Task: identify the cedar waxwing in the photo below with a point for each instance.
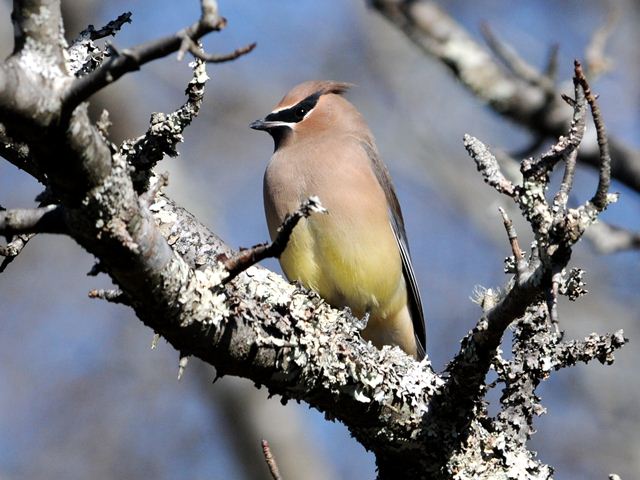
(357, 255)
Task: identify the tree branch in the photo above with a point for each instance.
(271, 461)
(525, 102)
(599, 199)
(110, 29)
(132, 59)
(49, 219)
(40, 21)
(166, 265)
(165, 131)
(608, 238)
(245, 258)
(555, 235)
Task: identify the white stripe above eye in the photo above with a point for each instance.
(284, 108)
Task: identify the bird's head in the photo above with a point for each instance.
(309, 108)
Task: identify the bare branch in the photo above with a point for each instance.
(567, 144)
(132, 59)
(600, 198)
(110, 29)
(49, 219)
(597, 63)
(165, 131)
(271, 461)
(188, 45)
(437, 34)
(516, 64)
(112, 296)
(13, 249)
(608, 238)
(562, 196)
(488, 166)
(554, 234)
(37, 28)
(520, 262)
(246, 258)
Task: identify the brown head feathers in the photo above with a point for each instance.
(309, 88)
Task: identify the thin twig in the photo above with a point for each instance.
(132, 59)
(514, 62)
(246, 258)
(112, 296)
(149, 196)
(13, 249)
(182, 365)
(597, 62)
(188, 45)
(566, 144)
(488, 166)
(521, 263)
(110, 29)
(551, 69)
(271, 461)
(562, 196)
(600, 198)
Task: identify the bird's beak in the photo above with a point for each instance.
(268, 124)
(259, 125)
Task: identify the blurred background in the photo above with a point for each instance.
(82, 395)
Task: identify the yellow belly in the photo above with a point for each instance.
(352, 266)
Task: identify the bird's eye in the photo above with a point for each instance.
(300, 112)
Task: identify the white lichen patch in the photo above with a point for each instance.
(199, 295)
(199, 72)
(41, 18)
(40, 59)
(268, 287)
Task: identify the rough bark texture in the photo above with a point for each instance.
(169, 269)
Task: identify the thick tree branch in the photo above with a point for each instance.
(519, 99)
(49, 219)
(40, 22)
(166, 266)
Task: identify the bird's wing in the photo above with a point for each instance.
(397, 225)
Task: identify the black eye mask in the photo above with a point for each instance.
(296, 113)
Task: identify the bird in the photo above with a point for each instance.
(357, 255)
